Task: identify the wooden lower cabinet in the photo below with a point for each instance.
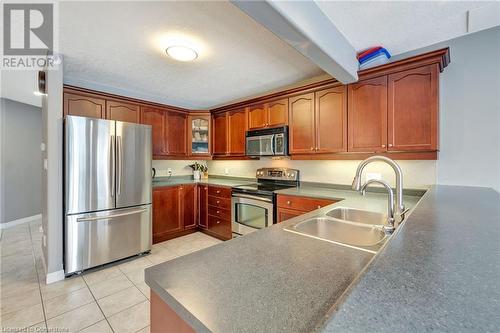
(290, 206)
(202, 206)
(219, 214)
(164, 319)
(174, 211)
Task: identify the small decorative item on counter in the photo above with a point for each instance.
(373, 56)
(198, 169)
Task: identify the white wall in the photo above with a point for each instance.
(470, 112)
(417, 174)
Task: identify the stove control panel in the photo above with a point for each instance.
(278, 174)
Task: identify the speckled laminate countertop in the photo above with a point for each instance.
(229, 182)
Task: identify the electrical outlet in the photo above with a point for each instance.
(226, 171)
(169, 172)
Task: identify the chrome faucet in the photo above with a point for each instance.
(389, 228)
(399, 207)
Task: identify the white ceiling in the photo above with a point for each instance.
(116, 47)
(399, 26)
(19, 85)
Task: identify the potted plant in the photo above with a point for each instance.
(198, 169)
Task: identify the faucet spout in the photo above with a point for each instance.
(399, 207)
(389, 228)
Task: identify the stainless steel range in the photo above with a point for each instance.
(253, 206)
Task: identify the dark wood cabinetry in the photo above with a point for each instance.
(268, 114)
(117, 110)
(84, 105)
(318, 122)
(176, 125)
(237, 126)
(302, 134)
(202, 206)
(368, 115)
(175, 211)
(220, 134)
(413, 109)
(219, 216)
(157, 119)
(289, 206)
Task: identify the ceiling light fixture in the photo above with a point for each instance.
(181, 53)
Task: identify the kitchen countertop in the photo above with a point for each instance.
(439, 271)
(173, 181)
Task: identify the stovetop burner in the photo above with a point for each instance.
(270, 180)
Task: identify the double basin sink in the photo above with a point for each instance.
(349, 227)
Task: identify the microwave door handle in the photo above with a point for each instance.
(273, 144)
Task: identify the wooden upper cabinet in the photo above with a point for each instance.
(413, 109)
(277, 112)
(257, 116)
(176, 124)
(199, 134)
(84, 105)
(220, 140)
(367, 110)
(302, 124)
(157, 119)
(166, 212)
(121, 111)
(269, 114)
(331, 120)
(237, 126)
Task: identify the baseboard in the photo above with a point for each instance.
(54, 277)
(20, 221)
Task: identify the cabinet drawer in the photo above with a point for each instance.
(220, 227)
(222, 192)
(224, 203)
(220, 213)
(303, 204)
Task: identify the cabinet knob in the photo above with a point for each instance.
(289, 202)
(383, 146)
(390, 144)
(218, 201)
(317, 149)
(312, 148)
(218, 212)
(180, 188)
(319, 206)
(218, 222)
(218, 191)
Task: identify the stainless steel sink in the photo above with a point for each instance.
(356, 235)
(358, 216)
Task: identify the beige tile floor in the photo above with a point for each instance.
(110, 299)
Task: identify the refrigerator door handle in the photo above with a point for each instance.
(112, 166)
(106, 217)
(119, 158)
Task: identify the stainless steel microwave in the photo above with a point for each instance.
(267, 142)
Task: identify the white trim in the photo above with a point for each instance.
(54, 277)
(20, 221)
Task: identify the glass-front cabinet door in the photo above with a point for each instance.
(199, 130)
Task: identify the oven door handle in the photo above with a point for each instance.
(247, 196)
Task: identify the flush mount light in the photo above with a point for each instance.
(181, 53)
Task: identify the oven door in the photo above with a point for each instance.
(250, 213)
(262, 145)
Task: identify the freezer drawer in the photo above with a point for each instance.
(95, 239)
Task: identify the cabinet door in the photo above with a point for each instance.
(257, 117)
(331, 120)
(203, 206)
(302, 131)
(189, 205)
(237, 121)
(413, 109)
(286, 214)
(199, 135)
(176, 133)
(83, 105)
(122, 111)
(166, 212)
(156, 118)
(367, 111)
(220, 134)
(278, 112)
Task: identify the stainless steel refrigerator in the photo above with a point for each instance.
(107, 191)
